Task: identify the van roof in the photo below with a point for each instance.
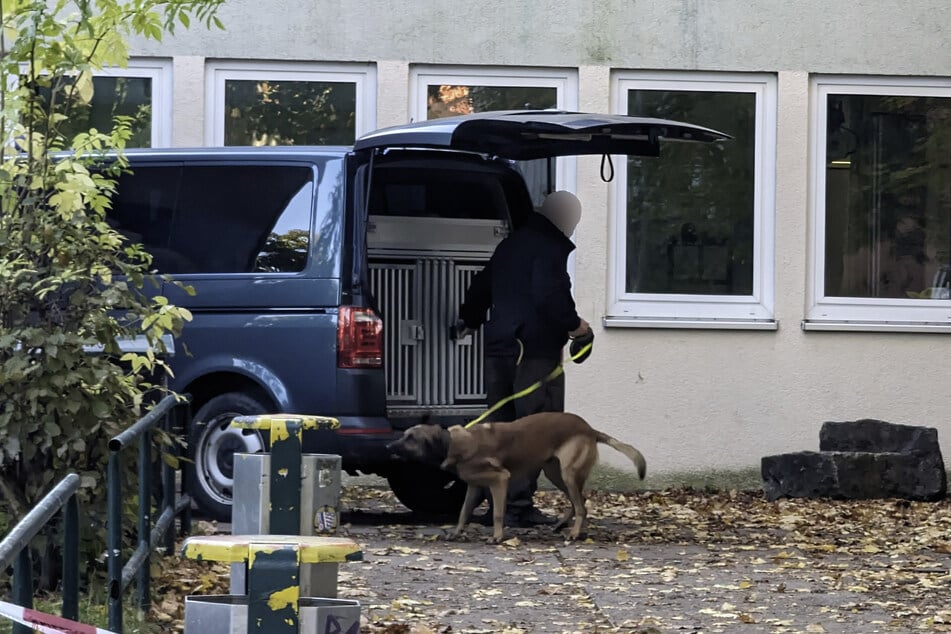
(296, 151)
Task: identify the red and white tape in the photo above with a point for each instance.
(46, 623)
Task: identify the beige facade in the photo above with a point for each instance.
(694, 392)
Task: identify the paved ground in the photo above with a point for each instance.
(672, 561)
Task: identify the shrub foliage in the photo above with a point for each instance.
(71, 286)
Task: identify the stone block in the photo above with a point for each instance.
(805, 474)
(877, 436)
(851, 475)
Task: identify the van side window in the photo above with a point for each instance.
(218, 218)
(243, 218)
(285, 250)
(143, 210)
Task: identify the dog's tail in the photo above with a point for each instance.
(636, 457)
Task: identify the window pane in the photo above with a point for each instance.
(112, 97)
(450, 100)
(888, 200)
(690, 212)
(143, 209)
(279, 112)
(285, 250)
(218, 219)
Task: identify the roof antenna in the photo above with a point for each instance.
(606, 160)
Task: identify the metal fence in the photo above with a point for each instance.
(15, 548)
(147, 536)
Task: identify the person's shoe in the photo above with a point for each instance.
(534, 517)
(527, 518)
(512, 520)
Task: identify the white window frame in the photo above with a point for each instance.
(669, 310)
(160, 72)
(858, 313)
(217, 73)
(563, 80)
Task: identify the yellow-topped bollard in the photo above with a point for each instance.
(287, 492)
(273, 603)
(240, 548)
(286, 431)
(278, 423)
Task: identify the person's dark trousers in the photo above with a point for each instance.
(504, 377)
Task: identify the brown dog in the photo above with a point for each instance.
(488, 455)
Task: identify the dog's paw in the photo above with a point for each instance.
(453, 536)
(494, 540)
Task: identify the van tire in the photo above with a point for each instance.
(211, 448)
(429, 490)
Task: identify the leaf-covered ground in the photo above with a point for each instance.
(661, 561)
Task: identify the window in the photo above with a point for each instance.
(259, 215)
(290, 104)
(882, 206)
(693, 229)
(443, 92)
(141, 92)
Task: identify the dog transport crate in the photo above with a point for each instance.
(419, 272)
(420, 268)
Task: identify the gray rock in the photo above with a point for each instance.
(877, 436)
(863, 459)
(806, 474)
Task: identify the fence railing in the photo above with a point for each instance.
(15, 548)
(147, 536)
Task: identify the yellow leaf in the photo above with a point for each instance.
(623, 555)
(84, 87)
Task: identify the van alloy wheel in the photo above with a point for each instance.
(212, 445)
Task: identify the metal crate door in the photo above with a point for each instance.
(468, 366)
(394, 287)
(419, 301)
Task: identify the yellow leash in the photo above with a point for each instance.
(554, 374)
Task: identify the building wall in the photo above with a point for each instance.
(691, 399)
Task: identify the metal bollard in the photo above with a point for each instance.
(273, 604)
(262, 505)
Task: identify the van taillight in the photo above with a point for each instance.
(359, 338)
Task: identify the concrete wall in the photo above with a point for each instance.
(690, 399)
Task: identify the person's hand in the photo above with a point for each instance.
(459, 330)
(582, 328)
(581, 346)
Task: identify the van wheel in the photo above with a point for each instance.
(425, 489)
(212, 444)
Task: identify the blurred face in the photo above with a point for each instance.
(563, 209)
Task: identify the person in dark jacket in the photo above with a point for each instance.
(526, 291)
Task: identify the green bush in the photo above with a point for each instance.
(69, 282)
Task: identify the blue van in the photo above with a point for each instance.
(326, 278)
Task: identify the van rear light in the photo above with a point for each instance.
(359, 338)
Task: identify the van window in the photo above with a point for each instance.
(434, 193)
(219, 218)
(143, 209)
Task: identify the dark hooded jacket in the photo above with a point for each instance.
(526, 290)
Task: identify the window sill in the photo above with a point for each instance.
(873, 326)
(691, 324)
